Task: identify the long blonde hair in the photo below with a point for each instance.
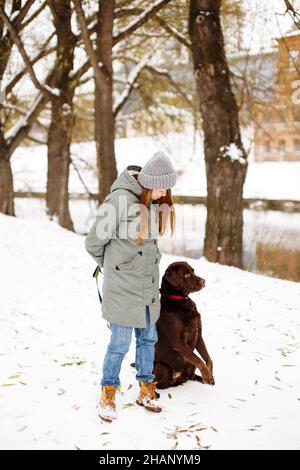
(166, 212)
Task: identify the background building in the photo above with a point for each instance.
(276, 118)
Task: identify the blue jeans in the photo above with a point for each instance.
(118, 347)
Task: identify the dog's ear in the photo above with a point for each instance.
(172, 276)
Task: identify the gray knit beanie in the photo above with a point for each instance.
(157, 173)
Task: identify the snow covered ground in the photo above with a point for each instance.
(53, 341)
(273, 180)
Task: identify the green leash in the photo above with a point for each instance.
(95, 275)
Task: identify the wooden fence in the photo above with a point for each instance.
(286, 205)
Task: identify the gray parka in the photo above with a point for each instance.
(131, 272)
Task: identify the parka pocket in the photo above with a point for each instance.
(130, 262)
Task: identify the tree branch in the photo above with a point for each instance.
(21, 128)
(34, 15)
(141, 20)
(173, 32)
(18, 42)
(23, 12)
(43, 52)
(87, 41)
(175, 85)
(132, 78)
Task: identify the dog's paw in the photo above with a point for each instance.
(197, 378)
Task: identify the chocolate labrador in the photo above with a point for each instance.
(180, 331)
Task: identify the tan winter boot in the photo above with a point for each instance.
(148, 396)
(107, 406)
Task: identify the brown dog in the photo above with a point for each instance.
(180, 331)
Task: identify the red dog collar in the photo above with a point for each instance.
(175, 296)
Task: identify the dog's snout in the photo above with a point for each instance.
(197, 283)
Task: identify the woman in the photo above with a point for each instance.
(123, 240)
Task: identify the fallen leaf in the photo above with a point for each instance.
(71, 363)
(22, 429)
(176, 444)
(171, 436)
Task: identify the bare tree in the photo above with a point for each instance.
(10, 30)
(225, 157)
(294, 14)
(101, 60)
(58, 88)
(62, 116)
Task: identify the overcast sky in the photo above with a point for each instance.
(265, 21)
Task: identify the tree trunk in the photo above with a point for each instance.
(62, 118)
(59, 141)
(104, 119)
(6, 179)
(225, 157)
(22, 127)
